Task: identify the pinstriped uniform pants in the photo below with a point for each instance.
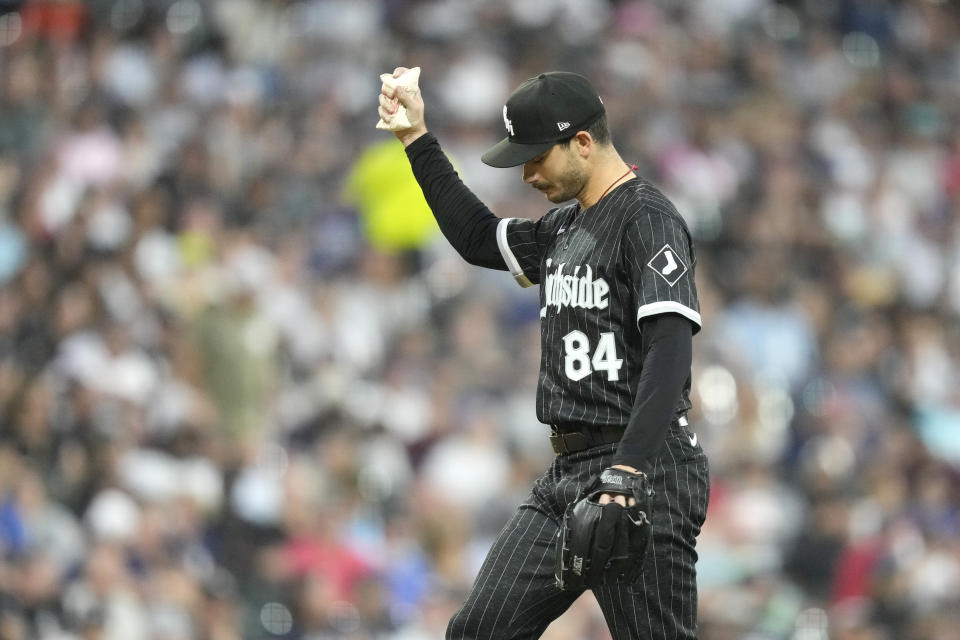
(514, 596)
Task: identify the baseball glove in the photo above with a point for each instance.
(601, 545)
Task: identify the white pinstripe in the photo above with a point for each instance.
(653, 549)
(546, 553)
(495, 561)
(497, 585)
(502, 606)
(686, 474)
(623, 609)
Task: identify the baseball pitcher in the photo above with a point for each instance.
(620, 508)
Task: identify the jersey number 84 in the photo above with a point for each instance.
(578, 363)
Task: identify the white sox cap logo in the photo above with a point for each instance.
(507, 122)
(668, 265)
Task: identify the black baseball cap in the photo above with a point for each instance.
(546, 108)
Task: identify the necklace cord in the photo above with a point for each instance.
(607, 190)
(630, 168)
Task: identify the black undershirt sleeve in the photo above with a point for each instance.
(467, 223)
(667, 348)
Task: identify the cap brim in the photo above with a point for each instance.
(511, 154)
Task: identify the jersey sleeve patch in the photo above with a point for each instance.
(668, 265)
(508, 256)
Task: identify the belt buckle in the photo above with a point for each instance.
(558, 443)
(571, 442)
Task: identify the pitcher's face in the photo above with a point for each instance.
(559, 173)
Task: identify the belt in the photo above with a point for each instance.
(572, 441)
(564, 442)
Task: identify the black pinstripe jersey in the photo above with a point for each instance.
(600, 271)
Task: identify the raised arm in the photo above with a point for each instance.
(467, 223)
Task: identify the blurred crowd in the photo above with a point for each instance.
(247, 391)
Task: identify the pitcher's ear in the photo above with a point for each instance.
(584, 142)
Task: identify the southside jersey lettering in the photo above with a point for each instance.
(573, 290)
(602, 270)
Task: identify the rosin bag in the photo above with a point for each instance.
(409, 79)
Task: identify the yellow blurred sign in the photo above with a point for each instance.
(394, 212)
